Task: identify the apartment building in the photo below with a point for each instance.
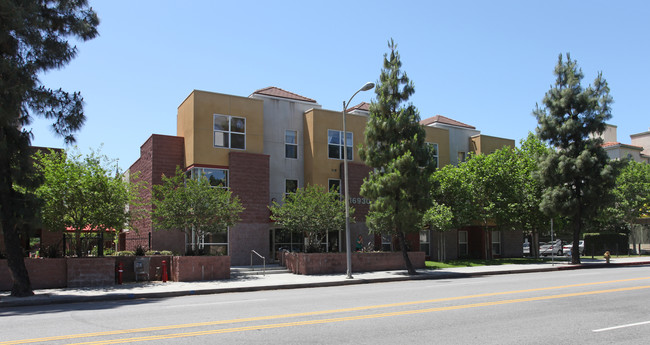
(638, 150)
(269, 144)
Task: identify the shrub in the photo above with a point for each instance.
(124, 253)
(139, 251)
(50, 252)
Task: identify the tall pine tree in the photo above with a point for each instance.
(33, 39)
(576, 176)
(402, 162)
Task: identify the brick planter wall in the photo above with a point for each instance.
(327, 263)
(90, 271)
(155, 267)
(196, 268)
(43, 273)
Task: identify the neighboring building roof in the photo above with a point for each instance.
(278, 92)
(612, 144)
(444, 120)
(361, 106)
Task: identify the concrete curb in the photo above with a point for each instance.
(46, 299)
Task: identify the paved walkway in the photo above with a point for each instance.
(284, 281)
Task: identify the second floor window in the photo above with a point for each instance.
(229, 131)
(291, 144)
(335, 144)
(290, 186)
(434, 153)
(217, 177)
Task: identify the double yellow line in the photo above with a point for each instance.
(329, 320)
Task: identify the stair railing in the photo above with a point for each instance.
(263, 261)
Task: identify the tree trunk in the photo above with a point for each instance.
(575, 251)
(15, 257)
(407, 261)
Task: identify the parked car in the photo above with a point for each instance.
(548, 248)
(567, 248)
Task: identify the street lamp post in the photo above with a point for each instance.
(348, 246)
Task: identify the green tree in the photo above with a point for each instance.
(33, 40)
(193, 205)
(529, 189)
(633, 198)
(82, 192)
(402, 161)
(312, 211)
(439, 218)
(576, 176)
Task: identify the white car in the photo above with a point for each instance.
(548, 248)
(567, 248)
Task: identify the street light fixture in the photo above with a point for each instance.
(348, 246)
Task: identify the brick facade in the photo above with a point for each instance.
(159, 155)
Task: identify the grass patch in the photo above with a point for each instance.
(481, 262)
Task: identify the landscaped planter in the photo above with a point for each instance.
(196, 268)
(327, 263)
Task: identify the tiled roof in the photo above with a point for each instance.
(444, 120)
(612, 143)
(278, 92)
(361, 106)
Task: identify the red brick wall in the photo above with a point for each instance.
(43, 273)
(357, 172)
(196, 268)
(159, 155)
(90, 271)
(249, 179)
(327, 263)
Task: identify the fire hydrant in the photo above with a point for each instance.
(120, 270)
(164, 271)
(607, 256)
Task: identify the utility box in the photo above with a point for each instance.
(141, 266)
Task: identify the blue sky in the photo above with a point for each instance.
(482, 63)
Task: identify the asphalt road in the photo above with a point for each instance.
(595, 306)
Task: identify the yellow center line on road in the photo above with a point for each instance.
(313, 313)
(353, 318)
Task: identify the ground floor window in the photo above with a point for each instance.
(496, 242)
(462, 243)
(281, 239)
(425, 240)
(386, 243)
(210, 243)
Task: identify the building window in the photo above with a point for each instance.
(434, 153)
(425, 240)
(386, 243)
(291, 144)
(462, 156)
(229, 131)
(214, 243)
(335, 144)
(217, 177)
(462, 243)
(334, 184)
(496, 242)
(290, 186)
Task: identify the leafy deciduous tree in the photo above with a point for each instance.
(82, 193)
(577, 176)
(312, 211)
(402, 162)
(194, 206)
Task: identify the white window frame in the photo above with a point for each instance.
(287, 144)
(425, 241)
(334, 179)
(227, 133)
(495, 239)
(340, 145)
(463, 242)
(286, 192)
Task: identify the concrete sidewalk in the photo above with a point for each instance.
(285, 281)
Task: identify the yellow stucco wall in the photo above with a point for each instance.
(195, 124)
(439, 136)
(318, 167)
(486, 144)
